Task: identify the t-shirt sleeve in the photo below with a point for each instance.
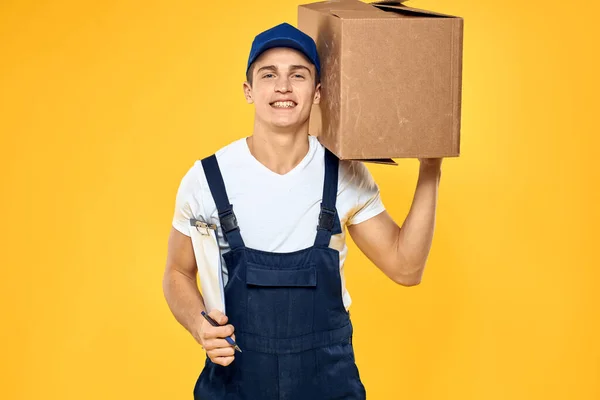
(366, 192)
(184, 200)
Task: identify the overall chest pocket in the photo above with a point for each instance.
(280, 302)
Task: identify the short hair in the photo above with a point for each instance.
(250, 74)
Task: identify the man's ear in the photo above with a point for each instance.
(317, 98)
(248, 93)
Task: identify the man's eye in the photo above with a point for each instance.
(299, 76)
(268, 75)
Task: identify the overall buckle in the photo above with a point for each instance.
(326, 219)
(228, 221)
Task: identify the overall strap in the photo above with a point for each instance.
(328, 215)
(229, 225)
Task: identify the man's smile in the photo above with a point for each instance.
(287, 104)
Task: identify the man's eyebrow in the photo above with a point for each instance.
(300, 67)
(292, 67)
(267, 67)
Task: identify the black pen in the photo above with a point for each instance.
(228, 338)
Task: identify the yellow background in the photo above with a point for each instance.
(104, 105)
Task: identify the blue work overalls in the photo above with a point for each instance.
(287, 310)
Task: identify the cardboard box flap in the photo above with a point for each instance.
(384, 161)
(362, 14)
(399, 7)
(346, 8)
(326, 6)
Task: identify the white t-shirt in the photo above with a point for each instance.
(277, 213)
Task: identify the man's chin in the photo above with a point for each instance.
(283, 124)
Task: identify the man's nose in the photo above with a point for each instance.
(283, 84)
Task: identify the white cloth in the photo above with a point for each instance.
(276, 213)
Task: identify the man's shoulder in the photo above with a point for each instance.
(350, 171)
(355, 173)
(226, 155)
(231, 150)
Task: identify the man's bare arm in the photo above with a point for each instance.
(401, 252)
(179, 283)
(186, 302)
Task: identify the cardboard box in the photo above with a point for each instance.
(391, 79)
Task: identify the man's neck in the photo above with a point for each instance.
(279, 151)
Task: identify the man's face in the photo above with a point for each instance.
(283, 88)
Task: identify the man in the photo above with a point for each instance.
(280, 200)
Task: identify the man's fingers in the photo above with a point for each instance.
(224, 361)
(212, 332)
(221, 352)
(213, 337)
(212, 344)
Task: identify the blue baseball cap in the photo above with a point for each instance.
(285, 35)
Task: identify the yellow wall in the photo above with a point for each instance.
(104, 105)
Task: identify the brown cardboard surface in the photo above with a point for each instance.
(391, 79)
(395, 5)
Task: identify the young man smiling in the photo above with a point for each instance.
(280, 201)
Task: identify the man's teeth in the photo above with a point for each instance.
(284, 104)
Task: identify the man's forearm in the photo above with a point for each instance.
(184, 300)
(416, 234)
